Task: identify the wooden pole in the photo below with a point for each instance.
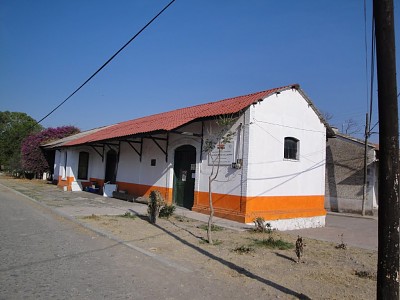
(388, 212)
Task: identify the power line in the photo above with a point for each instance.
(107, 62)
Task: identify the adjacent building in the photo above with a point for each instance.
(345, 175)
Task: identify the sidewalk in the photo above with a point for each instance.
(357, 231)
(76, 204)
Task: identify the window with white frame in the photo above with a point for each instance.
(83, 165)
(291, 148)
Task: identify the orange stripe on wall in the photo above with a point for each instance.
(67, 182)
(141, 190)
(246, 209)
(237, 208)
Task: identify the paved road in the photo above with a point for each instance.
(45, 256)
(357, 231)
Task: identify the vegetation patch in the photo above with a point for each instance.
(243, 250)
(215, 243)
(272, 243)
(213, 227)
(167, 211)
(182, 219)
(127, 215)
(92, 217)
(342, 245)
(365, 274)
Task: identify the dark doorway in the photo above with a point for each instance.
(184, 176)
(111, 166)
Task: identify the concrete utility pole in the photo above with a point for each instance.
(388, 213)
(365, 164)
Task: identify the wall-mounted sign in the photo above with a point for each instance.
(226, 155)
(184, 175)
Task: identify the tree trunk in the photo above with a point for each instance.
(210, 219)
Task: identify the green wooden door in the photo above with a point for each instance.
(184, 176)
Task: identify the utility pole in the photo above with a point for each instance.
(365, 163)
(388, 212)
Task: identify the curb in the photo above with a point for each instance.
(348, 215)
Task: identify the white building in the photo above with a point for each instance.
(274, 166)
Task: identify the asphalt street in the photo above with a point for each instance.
(46, 256)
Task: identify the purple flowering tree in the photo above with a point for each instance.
(34, 160)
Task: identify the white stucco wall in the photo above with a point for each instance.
(229, 179)
(57, 158)
(96, 166)
(132, 170)
(278, 116)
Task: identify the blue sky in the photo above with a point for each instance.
(198, 51)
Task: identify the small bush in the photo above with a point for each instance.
(213, 227)
(243, 250)
(365, 274)
(127, 215)
(274, 244)
(92, 217)
(342, 245)
(166, 211)
(261, 226)
(156, 201)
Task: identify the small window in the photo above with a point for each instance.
(153, 162)
(83, 165)
(291, 148)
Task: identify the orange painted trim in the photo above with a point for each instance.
(246, 209)
(65, 182)
(232, 207)
(141, 190)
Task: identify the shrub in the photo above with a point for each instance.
(153, 208)
(166, 211)
(272, 243)
(127, 215)
(243, 250)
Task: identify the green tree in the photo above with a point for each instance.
(14, 128)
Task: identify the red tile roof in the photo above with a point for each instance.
(173, 119)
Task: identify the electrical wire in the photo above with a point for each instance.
(286, 126)
(107, 62)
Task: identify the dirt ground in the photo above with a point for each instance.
(327, 271)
